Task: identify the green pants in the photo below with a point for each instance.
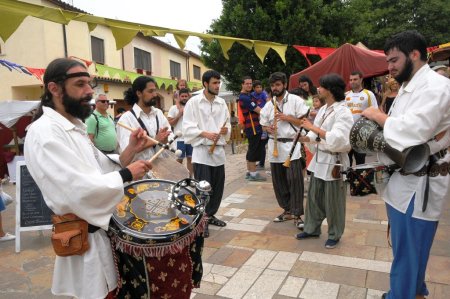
(326, 199)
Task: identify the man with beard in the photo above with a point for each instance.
(358, 99)
(287, 181)
(75, 177)
(206, 122)
(142, 96)
(414, 201)
(175, 117)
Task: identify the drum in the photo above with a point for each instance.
(367, 179)
(157, 236)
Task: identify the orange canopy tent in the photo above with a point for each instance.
(343, 61)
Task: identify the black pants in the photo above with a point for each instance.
(215, 175)
(288, 186)
(359, 158)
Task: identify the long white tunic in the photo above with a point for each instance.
(337, 120)
(149, 120)
(202, 115)
(420, 111)
(62, 161)
(290, 105)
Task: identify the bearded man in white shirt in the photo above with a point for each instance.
(327, 190)
(286, 109)
(75, 177)
(206, 126)
(142, 95)
(420, 114)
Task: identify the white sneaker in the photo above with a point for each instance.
(7, 237)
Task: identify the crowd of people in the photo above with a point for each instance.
(89, 156)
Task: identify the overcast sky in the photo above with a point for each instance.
(190, 15)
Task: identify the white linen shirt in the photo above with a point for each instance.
(75, 177)
(337, 120)
(173, 112)
(420, 111)
(290, 105)
(149, 120)
(202, 115)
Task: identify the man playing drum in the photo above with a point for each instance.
(419, 114)
(75, 177)
(206, 126)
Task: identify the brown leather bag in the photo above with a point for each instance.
(336, 172)
(70, 235)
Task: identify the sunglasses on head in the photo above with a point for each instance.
(103, 101)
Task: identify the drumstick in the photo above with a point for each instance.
(213, 146)
(164, 146)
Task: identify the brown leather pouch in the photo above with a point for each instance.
(336, 172)
(70, 235)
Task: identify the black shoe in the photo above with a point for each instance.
(213, 220)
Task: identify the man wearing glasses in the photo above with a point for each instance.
(101, 127)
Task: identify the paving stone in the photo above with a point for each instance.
(377, 280)
(220, 255)
(267, 284)
(374, 294)
(257, 222)
(237, 258)
(344, 261)
(311, 270)
(383, 254)
(208, 288)
(234, 212)
(438, 270)
(292, 286)
(377, 238)
(241, 282)
(315, 289)
(346, 276)
(441, 291)
(261, 258)
(283, 261)
(351, 292)
(245, 227)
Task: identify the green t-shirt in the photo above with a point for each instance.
(105, 139)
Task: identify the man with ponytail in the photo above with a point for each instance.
(142, 96)
(76, 178)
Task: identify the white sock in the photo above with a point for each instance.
(253, 173)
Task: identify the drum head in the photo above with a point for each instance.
(146, 215)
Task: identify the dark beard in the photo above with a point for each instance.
(151, 103)
(405, 75)
(212, 91)
(277, 94)
(78, 108)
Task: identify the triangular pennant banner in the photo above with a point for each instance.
(123, 36)
(261, 50)
(10, 23)
(225, 44)
(181, 39)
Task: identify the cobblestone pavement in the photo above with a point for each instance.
(253, 257)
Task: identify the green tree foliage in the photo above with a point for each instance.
(321, 23)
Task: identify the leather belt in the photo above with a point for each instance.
(92, 228)
(434, 169)
(283, 140)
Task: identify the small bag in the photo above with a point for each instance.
(336, 172)
(70, 235)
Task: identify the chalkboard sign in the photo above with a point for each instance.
(33, 210)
